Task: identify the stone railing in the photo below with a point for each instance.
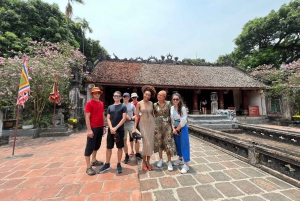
(278, 161)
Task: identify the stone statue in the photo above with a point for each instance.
(74, 96)
(214, 102)
(1, 122)
(59, 118)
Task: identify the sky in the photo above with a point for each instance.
(184, 28)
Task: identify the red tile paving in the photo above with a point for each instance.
(56, 171)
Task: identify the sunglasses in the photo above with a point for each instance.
(96, 93)
(125, 96)
(133, 97)
(175, 99)
(117, 96)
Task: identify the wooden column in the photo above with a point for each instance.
(221, 99)
(245, 102)
(102, 97)
(195, 103)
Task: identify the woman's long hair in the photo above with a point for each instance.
(180, 103)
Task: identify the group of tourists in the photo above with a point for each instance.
(162, 125)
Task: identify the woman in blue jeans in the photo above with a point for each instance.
(180, 131)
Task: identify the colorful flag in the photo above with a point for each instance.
(24, 87)
(54, 94)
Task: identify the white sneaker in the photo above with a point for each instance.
(170, 166)
(184, 169)
(178, 162)
(160, 162)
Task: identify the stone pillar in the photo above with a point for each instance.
(1, 122)
(245, 102)
(195, 103)
(221, 99)
(214, 102)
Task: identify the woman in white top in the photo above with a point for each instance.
(180, 131)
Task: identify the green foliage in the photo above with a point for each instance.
(21, 21)
(273, 39)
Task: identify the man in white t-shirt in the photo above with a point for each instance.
(128, 125)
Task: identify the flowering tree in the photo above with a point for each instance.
(282, 81)
(45, 59)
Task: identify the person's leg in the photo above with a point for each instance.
(90, 144)
(120, 146)
(150, 168)
(98, 139)
(169, 158)
(185, 144)
(179, 150)
(131, 144)
(119, 155)
(144, 163)
(108, 156)
(125, 140)
(160, 154)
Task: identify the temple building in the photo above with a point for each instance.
(235, 89)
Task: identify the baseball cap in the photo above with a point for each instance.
(134, 95)
(126, 94)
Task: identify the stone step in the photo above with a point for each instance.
(207, 117)
(56, 134)
(215, 126)
(221, 121)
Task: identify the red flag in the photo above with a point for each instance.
(24, 87)
(54, 94)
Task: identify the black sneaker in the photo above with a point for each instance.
(126, 159)
(96, 163)
(138, 156)
(90, 171)
(119, 168)
(104, 168)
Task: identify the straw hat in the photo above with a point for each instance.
(96, 89)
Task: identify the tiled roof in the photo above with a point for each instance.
(186, 76)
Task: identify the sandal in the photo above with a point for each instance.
(96, 163)
(150, 168)
(144, 167)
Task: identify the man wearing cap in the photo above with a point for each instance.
(94, 119)
(116, 116)
(128, 125)
(134, 102)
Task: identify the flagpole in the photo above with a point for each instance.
(16, 130)
(53, 126)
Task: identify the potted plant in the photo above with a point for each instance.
(72, 122)
(29, 124)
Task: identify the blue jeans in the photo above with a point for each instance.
(183, 144)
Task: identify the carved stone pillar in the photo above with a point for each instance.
(214, 102)
(245, 102)
(221, 99)
(195, 103)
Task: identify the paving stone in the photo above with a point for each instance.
(228, 189)
(213, 159)
(124, 196)
(241, 163)
(200, 160)
(231, 199)
(156, 173)
(202, 168)
(264, 184)
(186, 180)
(226, 157)
(165, 195)
(253, 198)
(229, 164)
(293, 194)
(216, 166)
(199, 154)
(276, 197)
(188, 193)
(168, 182)
(247, 187)
(204, 178)
(149, 184)
(251, 172)
(208, 192)
(235, 174)
(220, 176)
(280, 183)
(147, 197)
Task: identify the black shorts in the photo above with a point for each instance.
(93, 144)
(111, 141)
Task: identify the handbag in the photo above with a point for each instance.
(176, 122)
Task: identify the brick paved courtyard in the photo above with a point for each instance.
(56, 171)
